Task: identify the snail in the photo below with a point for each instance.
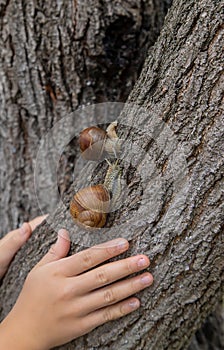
(90, 205)
(91, 142)
(95, 143)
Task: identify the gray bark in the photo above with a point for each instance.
(181, 227)
(211, 335)
(56, 56)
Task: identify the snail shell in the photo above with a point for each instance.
(90, 205)
(95, 143)
(91, 142)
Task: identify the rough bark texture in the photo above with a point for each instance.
(211, 335)
(181, 84)
(55, 56)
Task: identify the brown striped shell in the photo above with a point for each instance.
(90, 205)
(91, 142)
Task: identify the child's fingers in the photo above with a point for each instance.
(13, 240)
(11, 243)
(116, 292)
(37, 221)
(93, 256)
(59, 250)
(110, 272)
(17, 237)
(110, 313)
(21, 234)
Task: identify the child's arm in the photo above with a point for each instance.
(64, 298)
(12, 242)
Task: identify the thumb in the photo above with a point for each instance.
(58, 250)
(37, 221)
(11, 243)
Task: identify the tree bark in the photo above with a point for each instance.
(179, 224)
(211, 335)
(55, 57)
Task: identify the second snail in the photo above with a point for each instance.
(90, 205)
(96, 143)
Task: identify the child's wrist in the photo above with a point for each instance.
(15, 336)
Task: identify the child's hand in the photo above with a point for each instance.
(12, 242)
(64, 298)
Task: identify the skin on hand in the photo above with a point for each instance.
(66, 297)
(13, 241)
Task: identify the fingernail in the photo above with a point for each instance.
(122, 244)
(64, 234)
(134, 304)
(146, 280)
(142, 262)
(24, 229)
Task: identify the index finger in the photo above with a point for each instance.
(88, 258)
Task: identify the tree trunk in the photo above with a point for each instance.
(173, 201)
(211, 335)
(56, 56)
